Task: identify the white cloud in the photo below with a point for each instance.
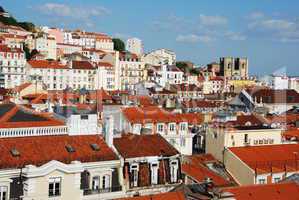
(206, 20)
(273, 24)
(192, 38)
(79, 13)
(256, 15)
(283, 30)
(235, 36)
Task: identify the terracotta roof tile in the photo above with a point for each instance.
(283, 191)
(46, 64)
(154, 114)
(266, 158)
(195, 167)
(133, 146)
(163, 196)
(42, 149)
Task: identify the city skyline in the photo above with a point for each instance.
(267, 32)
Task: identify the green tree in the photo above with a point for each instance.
(119, 45)
(28, 26)
(27, 51)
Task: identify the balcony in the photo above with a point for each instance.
(103, 190)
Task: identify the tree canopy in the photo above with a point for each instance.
(119, 45)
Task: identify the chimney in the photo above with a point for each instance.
(109, 131)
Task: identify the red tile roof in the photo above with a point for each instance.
(42, 149)
(291, 134)
(283, 191)
(195, 167)
(154, 114)
(104, 64)
(133, 146)
(163, 196)
(264, 159)
(82, 65)
(201, 104)
(5, 48)
(274, 96)
(16, 116)
(46, 64)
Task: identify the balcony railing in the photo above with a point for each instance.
(102, 190)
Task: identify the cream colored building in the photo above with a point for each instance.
(219, 139)
(54, 172)
(261, 164)
(234, 67)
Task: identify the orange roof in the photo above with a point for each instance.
(195, 168)
(134, 146)
(104, 64)
(82, 65)
(5, 48)
(154, 114)
(38, 150)
(16, 116)
(291, 134)
(264, 159)
(163, 196)
(47, 64)
(282, 191)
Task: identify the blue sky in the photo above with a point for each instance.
(265, 31)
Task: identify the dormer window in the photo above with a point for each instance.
(172, 127)
(154, 173)
(134, 168)
(160, 127)
(183, 126)
(174, 171)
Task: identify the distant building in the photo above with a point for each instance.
(160, 57)
(134, 45)
(234, 67)
(12, 67)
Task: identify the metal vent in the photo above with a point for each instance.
(95, 147)
(70, 149)
(14, 152)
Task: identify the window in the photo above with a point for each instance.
(160, 127)
(134, 175)
(173, 171)
(154, 173)
(276, 180)
(262, 181)
(3, 193)
(106, 182)
(84, 117)
(172, 127)
(54, 187)
(183, 126)
(246, 138)
(96, 183)
(183, 142)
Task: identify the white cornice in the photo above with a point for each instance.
(33, 171)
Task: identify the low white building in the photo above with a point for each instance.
(79, 121)
(166, 74)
